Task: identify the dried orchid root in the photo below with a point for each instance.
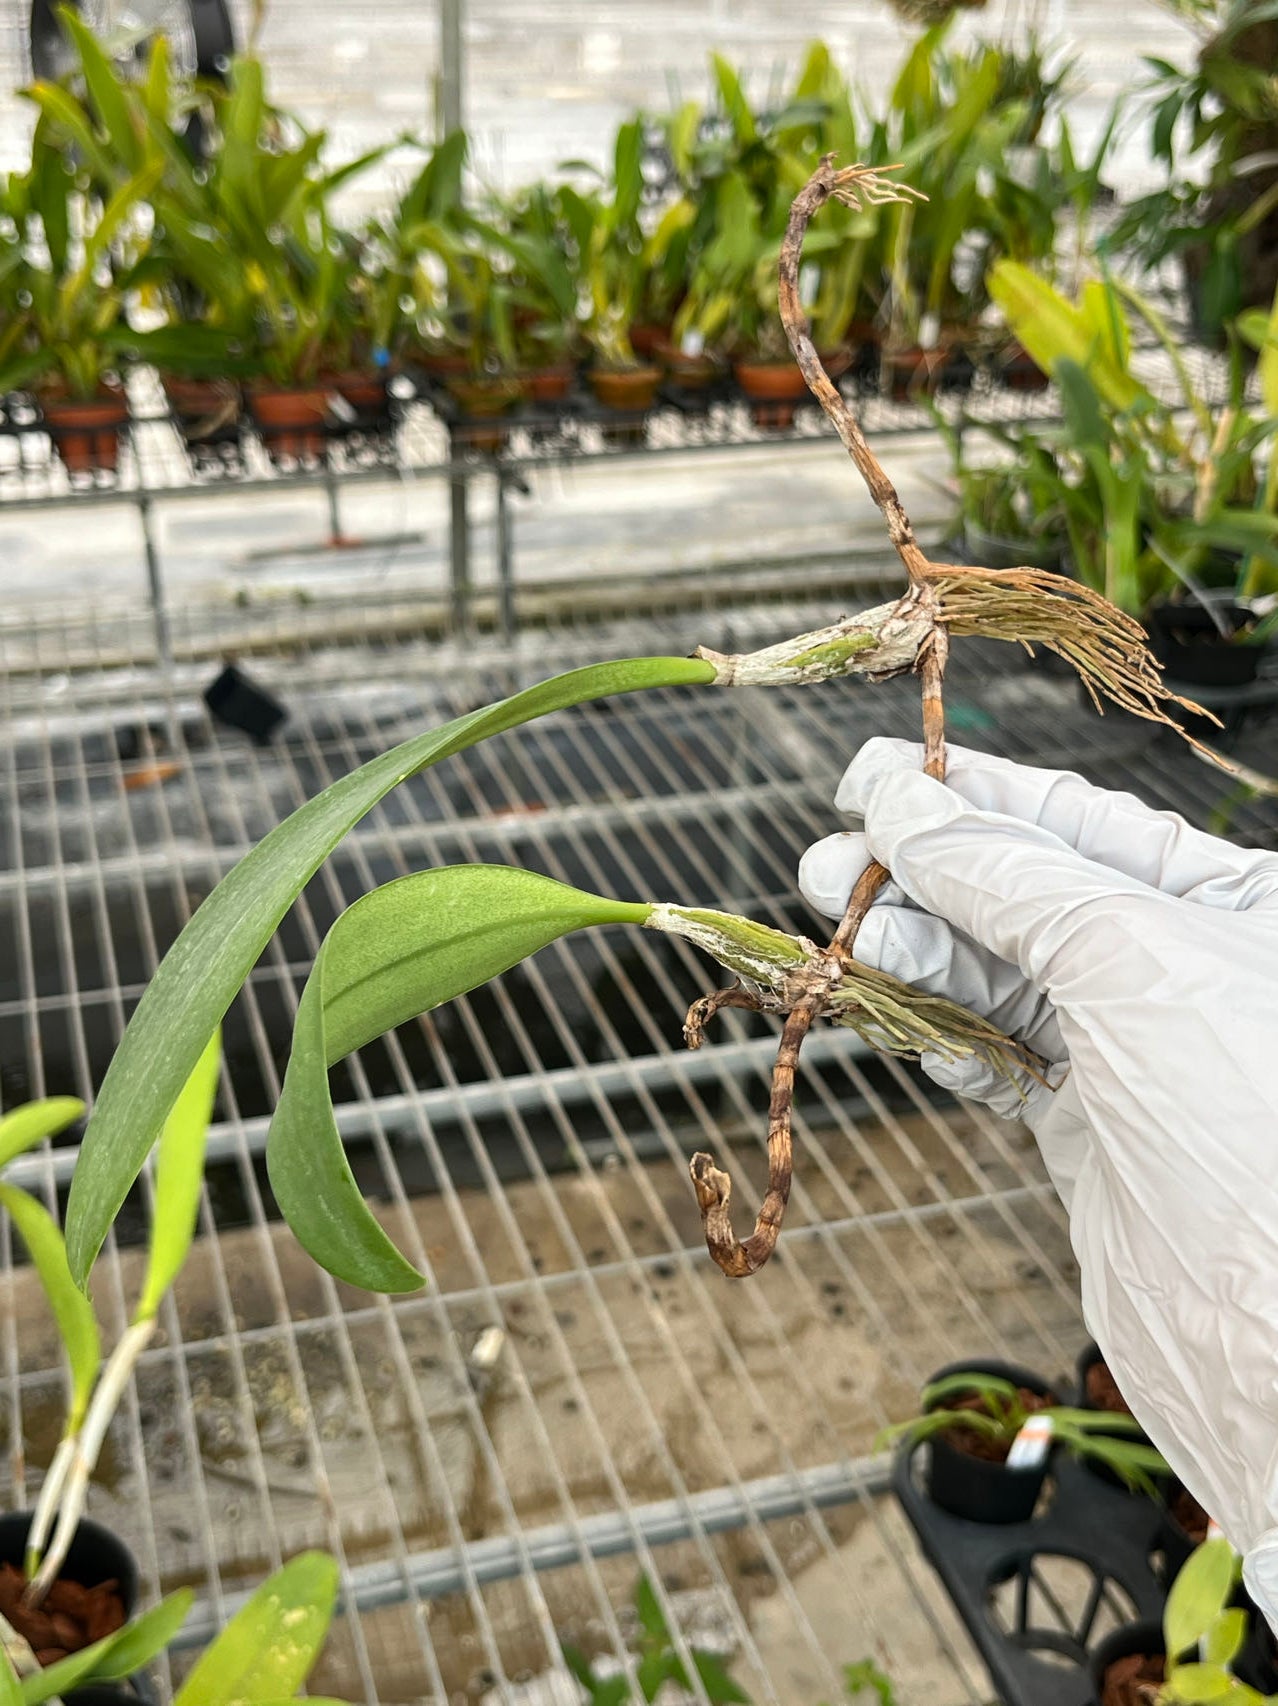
(943, 600)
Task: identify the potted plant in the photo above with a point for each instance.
(71, 274)
(73, 1620)
(1214, 128)
(971, 1417)
(1171, 508)
(1198, 1652)
(607, 234)
(546, 285)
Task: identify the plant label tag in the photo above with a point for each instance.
(1030, 1447)
(692, 342)
(337, 405)
(1214, 1530)
(809, 283)
(929, 331)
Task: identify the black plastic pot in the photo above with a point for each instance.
(95, 1555)
(1187, 641)
(235, 700)
(1143, 1638)
(969, 1486)
(1174, 1541)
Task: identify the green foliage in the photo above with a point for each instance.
(269, 1648)
(1002, 1414)
(1155, 495)
(77, 1325)
(865, 1676)
(657, 1663)
(204, 969)
(400, 951)
(179, 1173)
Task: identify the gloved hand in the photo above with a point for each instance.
(1140, 957)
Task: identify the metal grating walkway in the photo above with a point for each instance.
(579, 1399)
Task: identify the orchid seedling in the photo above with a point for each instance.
(428, 938)
(178, 1176)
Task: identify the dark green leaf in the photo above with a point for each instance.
(654, 1670)
(400, 951)
(648, 1610)
(720, 1688)
(204, 969)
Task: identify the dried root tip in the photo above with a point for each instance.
(1107, 648)
(705, 1007)
(713, 1190)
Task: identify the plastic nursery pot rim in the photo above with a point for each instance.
(1144, 1639)
(96, 1555)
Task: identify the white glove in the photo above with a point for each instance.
(1140, 957)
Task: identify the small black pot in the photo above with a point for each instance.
(95, 1555)
(1191, 649)
(1144, 1638)
(970, 1487)
(233, 699)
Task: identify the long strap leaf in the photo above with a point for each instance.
(398, 952)
(202, 972)
(33, 1121)
(77, 1324)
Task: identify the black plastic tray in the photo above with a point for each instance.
(1042, 1658)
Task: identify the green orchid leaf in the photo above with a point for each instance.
(1189, 1685)
(108, 98)
(1052, 329)
(202, 972)
(1223, 1641)
(33, 1121)
(179, 1171)
(398, 952)
(10, 1687)
(1198, 1595)
(77, 1324)
(269, 1648)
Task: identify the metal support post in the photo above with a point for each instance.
(451, 68)
(159, 612)
(507, 481)
(459, 548)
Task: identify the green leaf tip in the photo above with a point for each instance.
(399, 952)
(204, 969)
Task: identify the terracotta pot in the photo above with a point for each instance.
(292, 420)
(630, 391)
(444, 364)
(775, 389)
(914, 372)
(86, 431)
(1018, 370)
(205, 410)
(550, 384)
(837, 361)
(362, 390)
(483, 400)
(647, 340)
(688, 372)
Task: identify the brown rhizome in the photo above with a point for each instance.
(942, 601)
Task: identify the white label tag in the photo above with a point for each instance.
(809, 283)
(929, 331)
(693, 342)
(1031, 1446)
(1214, 1530)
